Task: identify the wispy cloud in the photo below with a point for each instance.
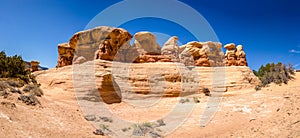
(294, 51)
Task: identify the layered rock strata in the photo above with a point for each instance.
(115, 81)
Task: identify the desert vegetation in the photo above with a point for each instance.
(274, 73)
(16, 79)
(14, 67)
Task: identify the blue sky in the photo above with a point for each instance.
(269, 30)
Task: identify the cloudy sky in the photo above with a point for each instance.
(269, 30)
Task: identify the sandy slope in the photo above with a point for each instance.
(272, 112)
(58, 116)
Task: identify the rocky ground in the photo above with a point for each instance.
(272, 112)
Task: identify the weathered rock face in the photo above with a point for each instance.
(187, 51)
(128, 55)
(230, 56)
(146, 43)
(203, 60)
(115, 81)
(171, 49)
(214, 53)
(240, 56)
(87, 42)
(152, 58)
(65, 55)
(79, 60)
(235, 56)
(108, 43)
(34, 66)
(112, 43)
(147, 49)
(197, 52)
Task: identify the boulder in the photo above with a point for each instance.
(146, 43)
(230, 46)
(171, 49)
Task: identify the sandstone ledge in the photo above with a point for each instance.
(115, 80)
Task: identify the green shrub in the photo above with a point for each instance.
(274, 73)
(14, 67)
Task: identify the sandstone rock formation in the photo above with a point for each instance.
(240, 56)
(235, 56)
(112, 43)
(65, 55)
(244, 108)
(171, 49)
(187, 52)
(115, 80)
(79, 60)
(34, 66)
(197, 52)
(108, 43)
(128, 55)
(203, 59)
(147, 49)
(87, 42)
(147, 58)
(145, 42)
(214, 53)
(230, 56)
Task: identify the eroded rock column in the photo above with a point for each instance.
(171, 49)
(241, 56)
(230, 57)
(194, 53)
(65, 55)
(34, 66)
